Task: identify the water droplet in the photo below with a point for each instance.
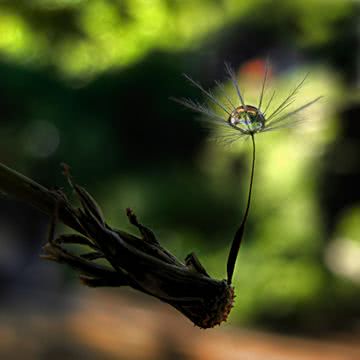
(250, 120)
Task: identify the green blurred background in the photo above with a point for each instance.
(88, 83)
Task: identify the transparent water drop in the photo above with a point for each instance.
(249, 120)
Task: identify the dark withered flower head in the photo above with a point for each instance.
(246, 119)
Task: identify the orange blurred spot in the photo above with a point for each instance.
(255, 69)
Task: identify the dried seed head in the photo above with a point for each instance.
(217, 310)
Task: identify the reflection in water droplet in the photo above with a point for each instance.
(250, 120)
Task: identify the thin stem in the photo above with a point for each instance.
(235, 246)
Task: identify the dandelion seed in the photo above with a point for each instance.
(244, 120)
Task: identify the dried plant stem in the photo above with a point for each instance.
(139, 262)
(18, 186)
(15, 184)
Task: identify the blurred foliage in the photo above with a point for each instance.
(83, 38)
(348, 225)
(88, 82)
